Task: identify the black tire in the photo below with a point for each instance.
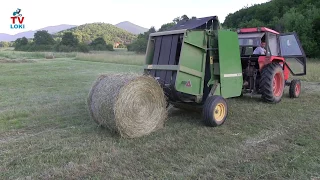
(295, 88)
(210, 108)
(267, 83)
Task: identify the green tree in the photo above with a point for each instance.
(4, 44)
(151, 30)
(43, 38)
(82, 47)
(100, 44)
(176, 20)
(166, 26)
(300, 16)
(24, 41)
(68, 39)
(140, 44)
(109, 47)
(181, 18)
(251, 23)
(98, 41)
(184, 17)
(295, 21)
(316, 30)
(21, 44)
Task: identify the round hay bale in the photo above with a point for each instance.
(132, 105)
(49, 56)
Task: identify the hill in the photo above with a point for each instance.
(5, 37)
(30, 34)
(130, 27)
(55, 29)
(89, 32)
(301, 16)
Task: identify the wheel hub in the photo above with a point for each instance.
(277, 84)
(297, 89)
(219, 112)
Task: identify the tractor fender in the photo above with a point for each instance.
(264, 60)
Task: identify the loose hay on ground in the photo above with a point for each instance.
(131, 104)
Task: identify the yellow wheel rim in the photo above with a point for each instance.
(219, 112)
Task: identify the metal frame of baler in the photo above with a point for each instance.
(214, 68)
(177, 67)
(212, 73)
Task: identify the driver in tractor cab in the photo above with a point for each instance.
(260, 50)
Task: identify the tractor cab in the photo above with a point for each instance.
(251, 38)
(285, 47)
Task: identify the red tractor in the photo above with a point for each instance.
(268, 73)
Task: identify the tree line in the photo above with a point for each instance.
(300, 16)
(43, 41)
(139, 45)
(6, 44)
(83, 38)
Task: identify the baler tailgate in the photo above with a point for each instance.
(230, 64)
(190, 77)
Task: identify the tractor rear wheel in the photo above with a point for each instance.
(215, 111)
(272, 83)
(295, 88)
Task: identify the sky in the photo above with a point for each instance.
(145, 13)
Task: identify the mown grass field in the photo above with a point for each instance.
(46, 132)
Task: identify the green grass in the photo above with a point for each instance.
(46, 132)
(313, 73)
(118, 57)
(11, 54)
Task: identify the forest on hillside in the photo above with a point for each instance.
(300, 16)
(110, 33)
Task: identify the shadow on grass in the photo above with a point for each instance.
(189, 117)
(248, 98)
(178, 116)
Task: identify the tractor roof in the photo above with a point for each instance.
(257, 29)
(196, 23)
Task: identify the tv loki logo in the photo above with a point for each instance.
(17, 20)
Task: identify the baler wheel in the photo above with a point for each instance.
(295, 88)
(272, 83)
(215, 111)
